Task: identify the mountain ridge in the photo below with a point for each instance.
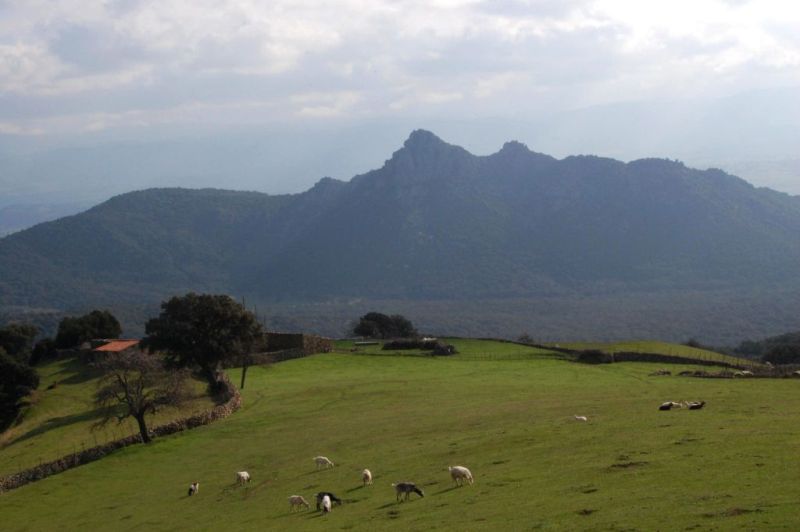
(434, 222)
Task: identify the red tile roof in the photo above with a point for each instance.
(115, 346)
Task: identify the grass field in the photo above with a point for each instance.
(502, 410)
(664, 348)
(59, 419)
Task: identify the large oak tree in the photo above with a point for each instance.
(203, 331)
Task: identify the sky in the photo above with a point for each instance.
(80, 72)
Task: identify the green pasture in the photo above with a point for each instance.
(60, 418)
(502, 410)
(663, 348)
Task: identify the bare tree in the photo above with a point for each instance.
(135, 384)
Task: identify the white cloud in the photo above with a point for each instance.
(326, 105)
(129, 59)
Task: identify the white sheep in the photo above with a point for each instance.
(459, 474)
(366, 477)
(242, 477)
(322, 461)
(326, 504)
(581, 418)
(296, 501)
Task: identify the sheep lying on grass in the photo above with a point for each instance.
(459, 474)
(581, 418)
(296, 501)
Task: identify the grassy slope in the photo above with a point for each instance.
(664, 348)
(58, 421)
(408, 418)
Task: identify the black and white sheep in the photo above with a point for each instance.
(405, 489)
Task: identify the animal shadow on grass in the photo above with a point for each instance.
(445, 490)
(387, 505)
(351, 490)
(252, 490)
(248, 490)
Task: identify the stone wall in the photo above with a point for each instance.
(310, 343)
(232, 401)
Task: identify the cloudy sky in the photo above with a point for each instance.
(72, 68)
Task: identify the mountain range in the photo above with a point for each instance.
(434, 224)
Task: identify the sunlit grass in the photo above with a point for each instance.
(510, 420)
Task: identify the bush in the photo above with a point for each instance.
(783, 354)
(594, 356)
(17, 380)
(45, 349)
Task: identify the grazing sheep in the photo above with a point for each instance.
(194, 487)
(581, 418)
(326, 504)
(694, 405)
(296, 501)
(242, 477)
(322, 461)
(322, 494)
(459, 474)
(405, 489)
(366, 477)
(666, 406)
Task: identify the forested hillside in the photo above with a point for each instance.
(435, 223)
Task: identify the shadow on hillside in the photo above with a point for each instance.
(76, 372)
(56, 422)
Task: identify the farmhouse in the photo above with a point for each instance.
(99, 348)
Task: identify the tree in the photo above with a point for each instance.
(17, 381)
(17, 340)
(44, 349)
(377, 325)
(135, 384)
(783, 354)
(203, 330)
(96, 324)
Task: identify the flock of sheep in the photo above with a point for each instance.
(325, 499)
